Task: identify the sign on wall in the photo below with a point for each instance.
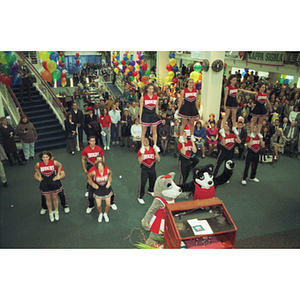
(237, 55)
(266, 58)
(197, 54)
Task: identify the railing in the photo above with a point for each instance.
(106, 87)
(10, 103)
(45, 90)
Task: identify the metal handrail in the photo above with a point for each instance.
(55, 100)
(15, 100)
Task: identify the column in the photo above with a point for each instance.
(161, 63)
(211, 88)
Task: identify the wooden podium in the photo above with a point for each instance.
(213, 210)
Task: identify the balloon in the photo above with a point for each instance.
(200, 76)
(2, 58)
(172, 55)
(144, 66)
(144, 79)
(197, 67)
(77, 54)
(60, 69)
(63, 75)
(141, 72)
(284, 76)
(46, 75)
(54, 56)
(172, 62)
(134, 74)
(63, 84)
(137, 67)
(64, 71)
(63, 80)
(169, 67)
(56, 75)
(129, 73)
(62, 64)
(246, 70)
(141, 84)
(6, 69)
(138, 62)
(61, 54)
(14, 68)
(132, 63)
(281, 80)
(225, 66)
(44, 55)
(5, 79)
(51, 65)
(168, 79)
(194, 75)
(131, 78)
(16, 79)
(123, 62)
(171, 74)
(126, 52)
(127, 62)
(139, 52)
(10, 58)
(117, 57)
(175, 80)
(286, 81)
(142, 56)
(147, 73)
(130, 67)
(116, 63)
(116, 70)
(79, 57)
(198, 86)
(175, 69)
(77, 61)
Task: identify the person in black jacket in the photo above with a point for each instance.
(243, 135)
(91, 123)
(77, 118)
(70, 128)
(26, 82)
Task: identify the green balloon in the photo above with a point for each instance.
(79, 57)
(147, 72)
(56, 75)
(127, 62)
(10, 58)
(131, 78)
(281, 80)
(6, 69)
(197, 67)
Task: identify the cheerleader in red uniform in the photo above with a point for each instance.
(188, 108)
(100, 180)
(149, 113)
(259, 111)
(230, 103)
(50, 184)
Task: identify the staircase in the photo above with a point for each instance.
(114, 90)
(50, 132)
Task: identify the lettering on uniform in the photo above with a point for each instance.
(48, 168)
(255, 142)
(92, 154)
(147, 102)
(227, 141)
(190, 95)
(188, 148)
(148, 156)
(101, 179)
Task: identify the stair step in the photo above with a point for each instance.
(51, 138)
(57, 132)
(34, 112)
(49, 116)
(35, 106)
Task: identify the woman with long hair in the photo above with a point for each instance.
(259, 111)
(105, 122)
(27, 134)
(70, 128)
(149, 113)
(188, 108)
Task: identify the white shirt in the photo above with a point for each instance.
(136, 130)
(115, 116)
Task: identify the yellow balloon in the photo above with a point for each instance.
(51, 66)
(115, 53)
(284, 76)
(126, 71)
(172, 62)
(200, 76)
(137, 67)
(194, 75)
(116, 70)
(171, 74)
(44, 55)
(141, 84)
(63, 84)
(168, 79)
(128, 55)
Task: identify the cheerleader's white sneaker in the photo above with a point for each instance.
(100, 218)
(254, 179)
(51, 216)
(106, 218)
(56, 215)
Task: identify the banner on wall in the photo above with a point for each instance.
(268, 58)
(197, 54)
(237, 55)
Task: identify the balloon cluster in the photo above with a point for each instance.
(172, 68)
(9, 69)
(246, 71)
(136, 70)
(225, 67)
(53, 70)
(77, 58)
(283, 79)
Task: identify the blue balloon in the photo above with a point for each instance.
(286, 81)
(172, 55)
(16, 79)
(14, 68)
(125, 58)
(132, 63)
(142, 56)
(54, 56)
(117, 56)
(175, 69)
(129, 73)
(141, 72)
(60, 69)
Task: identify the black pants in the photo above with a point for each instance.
(145, 174)
(185, 166)
(241, 148)
(25, 83)
(80, 133)
(62, 197)
(250, 158)
(224, 155)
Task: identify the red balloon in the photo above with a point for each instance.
(115, 63)
(144, 66)
(77, 54)
(62, 64)
(63, 75)
(5, 79)
(123, 62)
(77, 61)
(60, 54)
(44, 63)
(134, 73)
(175, 80)
(169, 67)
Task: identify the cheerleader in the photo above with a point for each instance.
(149, 113)
(100, 181)
(259, 111)
(230, 103)
(50, 184)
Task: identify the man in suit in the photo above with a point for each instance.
(291, 134)
(174, 134)
(243, 135)
(77, 117)
(26, 82)
(285, 123)
(273, 129)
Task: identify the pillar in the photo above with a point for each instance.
(211, 87)
(161, 63)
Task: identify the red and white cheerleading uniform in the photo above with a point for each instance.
(149, 116)
(157, 222)
(101, 180)
(231, 102)
(260, 109)
(91, 155)
(185, 160)
(188, 109)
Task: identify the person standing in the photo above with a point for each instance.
(149, 112)
(186, 164)
(27, 134)
(242, 135)
(77, 118)
(8, 141)
(78, 99)
(227, 143)
(105, 122)
(100, 179)
(175, 131)
(26, 82)
(188, 108)
(147, 157)
(164, 135)
(70, 128)
(3, 175)
(252, 155)
(50, 184)
(115, 117)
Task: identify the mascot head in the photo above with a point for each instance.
(166, 188)
(203, 176)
